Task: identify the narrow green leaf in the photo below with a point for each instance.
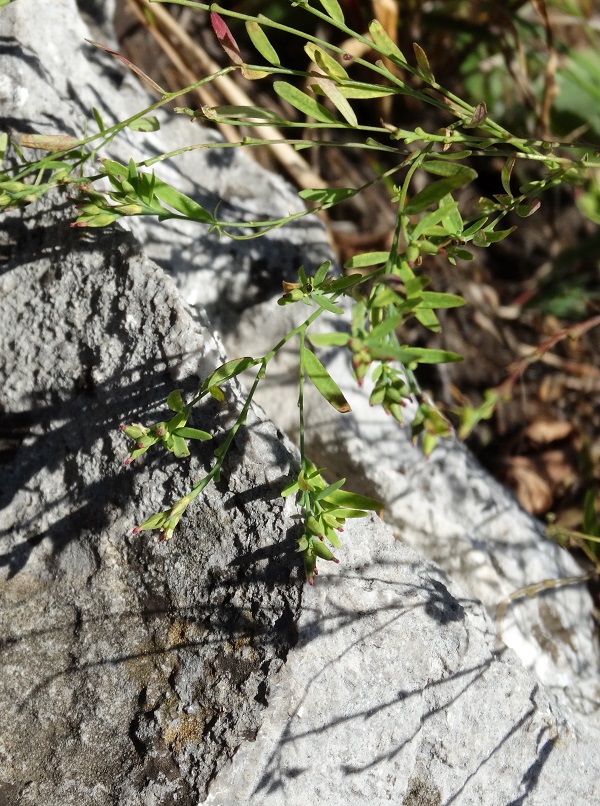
(483, 238)
(245, 113)
(261, 42)
(349, 500)
(327, 195)
(333, 9)
(507, 172)
(384, 43)
(321, 273)
(427, 221)
(332, 536)
(425, 355)
(437, 190)
(182, 203)
(332, 68)
(192, 433)
(337, 99)
(442, 167)
(229, 370)
(291, 488)
(299, 100)
(437, 299)
(148, 124)
(367, 259)
(367, 91)
(179, 446)
(474, 227)
(323, 382)
(386, 327)
(329, 339)
(326, 303)
(98, 119)
(423, 63)
(174, 400)
(528, 208)
(154, 521)
(216, 393)
(331, 489)
(429, 320)
(344, 283)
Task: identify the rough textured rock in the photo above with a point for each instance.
(446, 507)
(50, 80)
(398, 693)
(132, 669)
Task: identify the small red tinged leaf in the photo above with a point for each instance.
(225, 38)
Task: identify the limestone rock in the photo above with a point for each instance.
(132, 669)
(398, 693)
(149, 674)
(447, 508)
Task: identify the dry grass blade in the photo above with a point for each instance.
(533, 590)
(129, 65)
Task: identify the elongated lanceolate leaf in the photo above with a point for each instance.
(437, 190)
(245, 113)
(333, 8)
(367, 259)
(442, 167)
(324, 383)
(367, 91)
(329, 339)
(229, 370)
(191, 433)
(349, 500)
(507, 172)
(437, 299)
(148, 124)
(325, 62)
(327, 195)
(422, 355)
(321, 272)
(225, 37)
(261, 43)
(182, 203)
(384, 43)
(337, 99)
(325, 302)
(299, 100)
(423, 63)
(331, 489)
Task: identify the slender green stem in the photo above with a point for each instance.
(302, 372)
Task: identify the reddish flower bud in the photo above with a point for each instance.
(136, 530)
(128, 460)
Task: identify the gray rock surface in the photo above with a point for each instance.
(397, 693)
(149, 674)
(447, 508)
(50, 82)
(131, 669)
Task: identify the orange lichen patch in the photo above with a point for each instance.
(187, 729)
